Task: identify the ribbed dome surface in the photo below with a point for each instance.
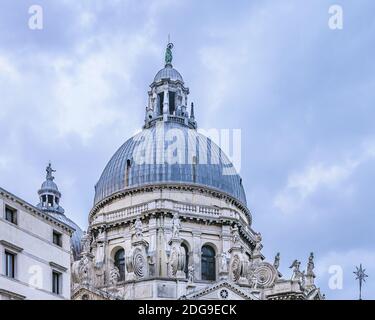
(49, 185)
(168, 73)
(212, 169)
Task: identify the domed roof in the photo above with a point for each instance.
(168, 72)
(49, 185)
(137, 163)
(75, 240)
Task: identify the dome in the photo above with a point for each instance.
(168, 72)
(75, 240)
(127, 170)
(49, 185)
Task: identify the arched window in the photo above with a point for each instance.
(128, 166)
(120, 263)
(208, 263)
(186, 259)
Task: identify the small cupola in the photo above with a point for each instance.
(49, 194)
(168, 96)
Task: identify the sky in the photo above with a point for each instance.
(301, 92)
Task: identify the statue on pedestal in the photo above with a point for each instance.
(310, 266)
(191, 274)
(276, 263)
(176, 226)
(224, 262)
(297, 274)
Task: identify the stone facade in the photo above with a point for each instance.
(27, 234)
(166, 237)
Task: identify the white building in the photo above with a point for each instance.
(34, 252)
(170, 217)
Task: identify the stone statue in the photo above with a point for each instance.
(168, 54)
(276, 263)
(224, 262)
(100, 249)
(191, 273)
(84, 270)
(297, 274)
(258, 244)
(235, 235)
(254, 281)
(114, 276)
(310, 266)
(138, 226)
(49, 170)
(176, 226)
(99, 256)
(85, 241)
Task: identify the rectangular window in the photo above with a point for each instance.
(10, 260)
(172, 100)
(50, 200)
(56, 282)
(11, 214)
(57, 238)
(160, 103)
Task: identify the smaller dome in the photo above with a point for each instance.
(49, 185)
(168, 72)
(75, 240)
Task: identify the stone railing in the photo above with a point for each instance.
(126, 213)
(167, 205)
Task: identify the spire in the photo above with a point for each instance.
(192, 111)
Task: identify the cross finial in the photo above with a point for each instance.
(361, 275)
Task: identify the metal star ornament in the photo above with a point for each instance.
(361, 277)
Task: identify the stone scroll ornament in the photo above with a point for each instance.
(265, 275)
(176, 260)
(139, 263)
(236, 268)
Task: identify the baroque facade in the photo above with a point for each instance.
(170, 218)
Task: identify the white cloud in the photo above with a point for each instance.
(4, 162)
(8, 70)
(87, 19)
(301, 185)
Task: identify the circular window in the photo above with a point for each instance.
(224, 294)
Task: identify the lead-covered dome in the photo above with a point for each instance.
(168, 72)
(169, 150)
(49, 185)
(169, 153)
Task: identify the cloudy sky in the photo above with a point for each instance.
(301, 93)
